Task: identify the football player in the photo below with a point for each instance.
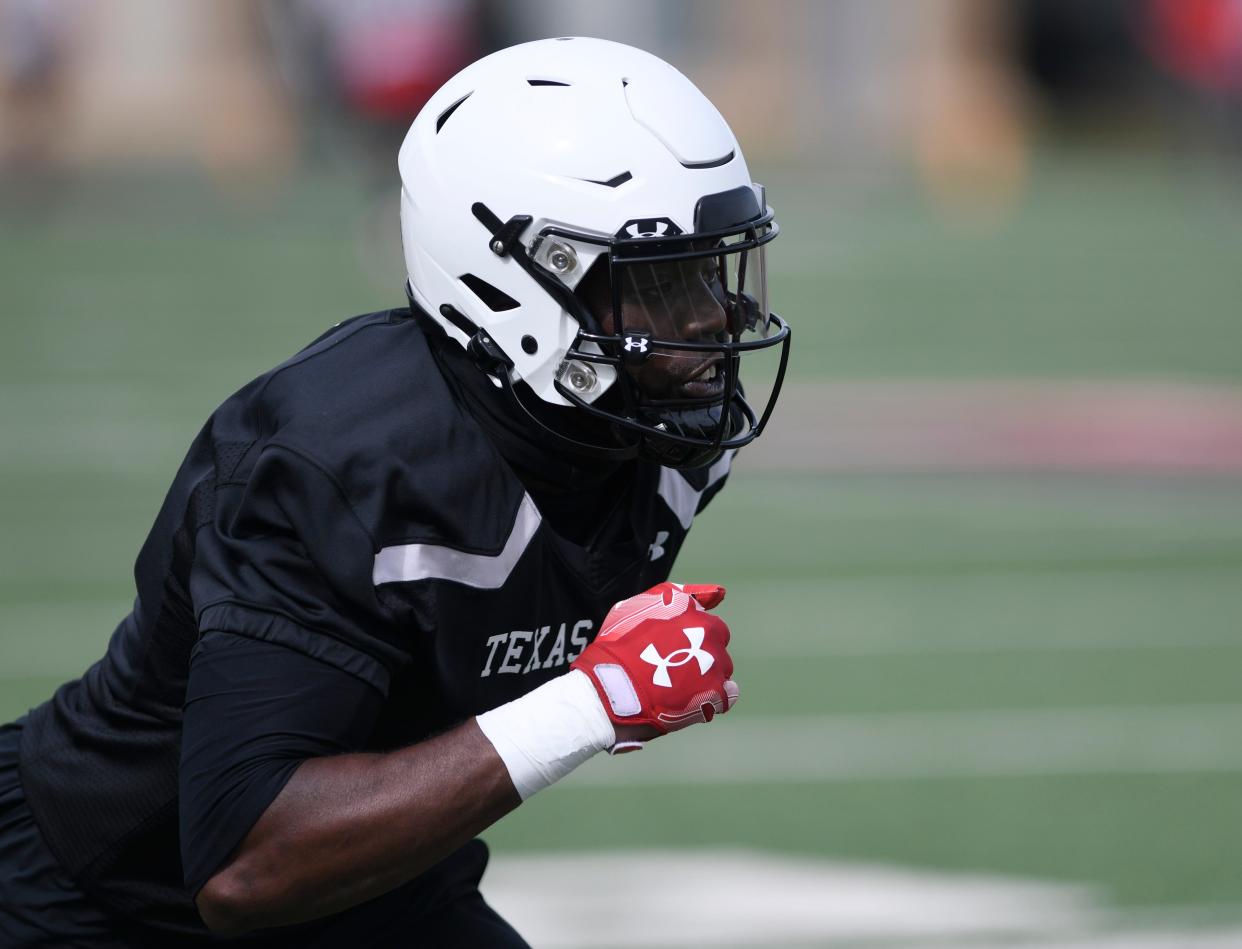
(394, 589)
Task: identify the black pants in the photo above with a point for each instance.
(40, 906)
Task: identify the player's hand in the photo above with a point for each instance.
(660, 663)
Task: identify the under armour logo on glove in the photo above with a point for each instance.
(652, 655)
(667, 627)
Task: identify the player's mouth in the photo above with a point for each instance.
(705, 382)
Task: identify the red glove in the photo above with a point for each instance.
(660, 659)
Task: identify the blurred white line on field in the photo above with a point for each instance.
(1094, 640)
(978, 743)
(1004, 425)
(732, 898)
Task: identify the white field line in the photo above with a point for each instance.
(1086, 640)
(980, 743)
(735, 898)
(1003, 424)
(1123, 939)
(731, 898)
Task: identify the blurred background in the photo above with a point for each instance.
(985, 569)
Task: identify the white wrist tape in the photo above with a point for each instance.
(548, 732)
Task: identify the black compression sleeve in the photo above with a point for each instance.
(254, 711)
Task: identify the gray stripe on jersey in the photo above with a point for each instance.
(429, 561)
(682, 497)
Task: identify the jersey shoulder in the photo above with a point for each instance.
(688, 492)
(366, 404)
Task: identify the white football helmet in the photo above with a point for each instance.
(579, 216)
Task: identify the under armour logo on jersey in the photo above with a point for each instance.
(635, 344)
(656, 548)
(649, 227)
(694, 634)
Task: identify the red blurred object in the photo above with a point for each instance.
(389, 67)
(1198, 41)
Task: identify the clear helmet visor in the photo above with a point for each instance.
(687, 322)
(717, 293)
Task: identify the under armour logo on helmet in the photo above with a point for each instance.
(635, 344)
(694, 634)
(649, 227)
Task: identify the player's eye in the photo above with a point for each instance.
(656, 292)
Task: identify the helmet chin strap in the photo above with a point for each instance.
(617, 452)
(490, 360)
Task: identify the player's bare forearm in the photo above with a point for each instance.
(346, 829)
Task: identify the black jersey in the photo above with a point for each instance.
(344, 505)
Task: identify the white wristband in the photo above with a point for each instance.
(549, 731)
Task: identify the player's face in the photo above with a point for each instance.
(680, 300)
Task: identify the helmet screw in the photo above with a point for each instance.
(580, 376)
(562, 258)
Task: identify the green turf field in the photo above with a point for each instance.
(1075, 641)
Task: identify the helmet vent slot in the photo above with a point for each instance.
(496, 299)
(444, 116)
(545, 82)
(712, 163)
(615, 182)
